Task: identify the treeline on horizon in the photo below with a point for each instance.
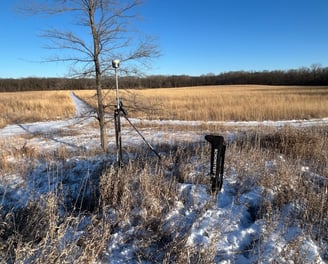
(315, 75)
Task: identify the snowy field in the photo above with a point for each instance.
(226, 223)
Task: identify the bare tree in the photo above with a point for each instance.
(100, 31)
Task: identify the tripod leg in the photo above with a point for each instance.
(143, 138)
(118, 137)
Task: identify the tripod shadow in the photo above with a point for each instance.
(50, 135)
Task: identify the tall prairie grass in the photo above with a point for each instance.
(223, 103)
(207, 103)
(22, 107)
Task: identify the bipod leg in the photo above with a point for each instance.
(221, 162)
(143, 138)
(118, 138)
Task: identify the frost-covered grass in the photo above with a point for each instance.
(62, 200)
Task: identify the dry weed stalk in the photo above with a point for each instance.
(39, 235)
(293, 175)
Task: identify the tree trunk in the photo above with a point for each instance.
(101, 110)
(101, 116)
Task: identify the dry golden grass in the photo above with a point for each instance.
(223, 103)
(21, 107)
(207, 103)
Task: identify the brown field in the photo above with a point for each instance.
(223, 103)
(21, 107)
(215, 103)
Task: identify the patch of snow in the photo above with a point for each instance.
(81, 107)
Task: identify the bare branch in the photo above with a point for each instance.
(100, 31)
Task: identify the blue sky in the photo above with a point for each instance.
(195, 37)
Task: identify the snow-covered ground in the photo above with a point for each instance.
(230, 222)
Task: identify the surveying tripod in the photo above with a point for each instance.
(118, 112)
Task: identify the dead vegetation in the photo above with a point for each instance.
(289, 164)
(225, 102)
(23, 107)
(206, 103)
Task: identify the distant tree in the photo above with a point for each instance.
(99, 32)
(316, 69)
